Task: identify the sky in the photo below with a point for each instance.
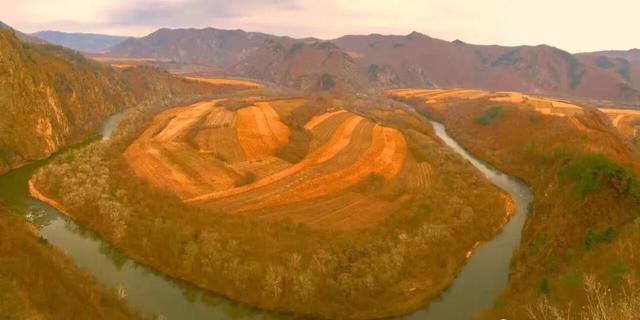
(572, 25)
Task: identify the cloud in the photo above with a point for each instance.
(192, 12)
(574, 25)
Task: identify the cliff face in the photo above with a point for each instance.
(51, 97)
(48, 97)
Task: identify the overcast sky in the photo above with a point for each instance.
(573, 25)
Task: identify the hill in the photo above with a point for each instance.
(22, 36)
(624, 65)
(419, 60)
(209, 46)
(85, 42)
(307, 65)
(314, 206)
(577, 251)
(51, 97)
(391, 61)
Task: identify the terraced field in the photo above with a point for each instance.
(626, 121)
(213, 157)
(440, 98)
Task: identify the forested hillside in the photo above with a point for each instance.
(51, 97)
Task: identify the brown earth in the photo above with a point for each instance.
(211, 156)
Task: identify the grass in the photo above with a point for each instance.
(491, 115)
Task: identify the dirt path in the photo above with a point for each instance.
(616, 121)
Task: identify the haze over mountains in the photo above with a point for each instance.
(85, 42)
(362, 61)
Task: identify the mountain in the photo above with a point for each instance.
(625, 64)
(22, 36)
(51, 97)
(85, 42)
(360, 61)
(209, 46)
(419, 60)
(631, 55)
(314, 65)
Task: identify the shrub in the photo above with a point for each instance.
(604, 62)
(295, 48)
(625, 68)
(326, 82)
(297, 148)
(616, 273)
(373, 71)
(568, 257)
(571, 278)
(489, 116)
(246, 178)
(544, 287)
(588, 173)
(234, 104)
(604, 236)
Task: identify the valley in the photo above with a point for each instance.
(313, 224)
(208, 173)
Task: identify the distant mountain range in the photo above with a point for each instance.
(85, 42)
(359, 62)
(22, 36)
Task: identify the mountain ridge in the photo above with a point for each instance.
(84, 42)
(387, 61)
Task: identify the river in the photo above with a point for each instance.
(475, 288)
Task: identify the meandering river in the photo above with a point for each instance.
(475, 288)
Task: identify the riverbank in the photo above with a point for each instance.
(39, 281)
(408, 260)
(579, 240)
